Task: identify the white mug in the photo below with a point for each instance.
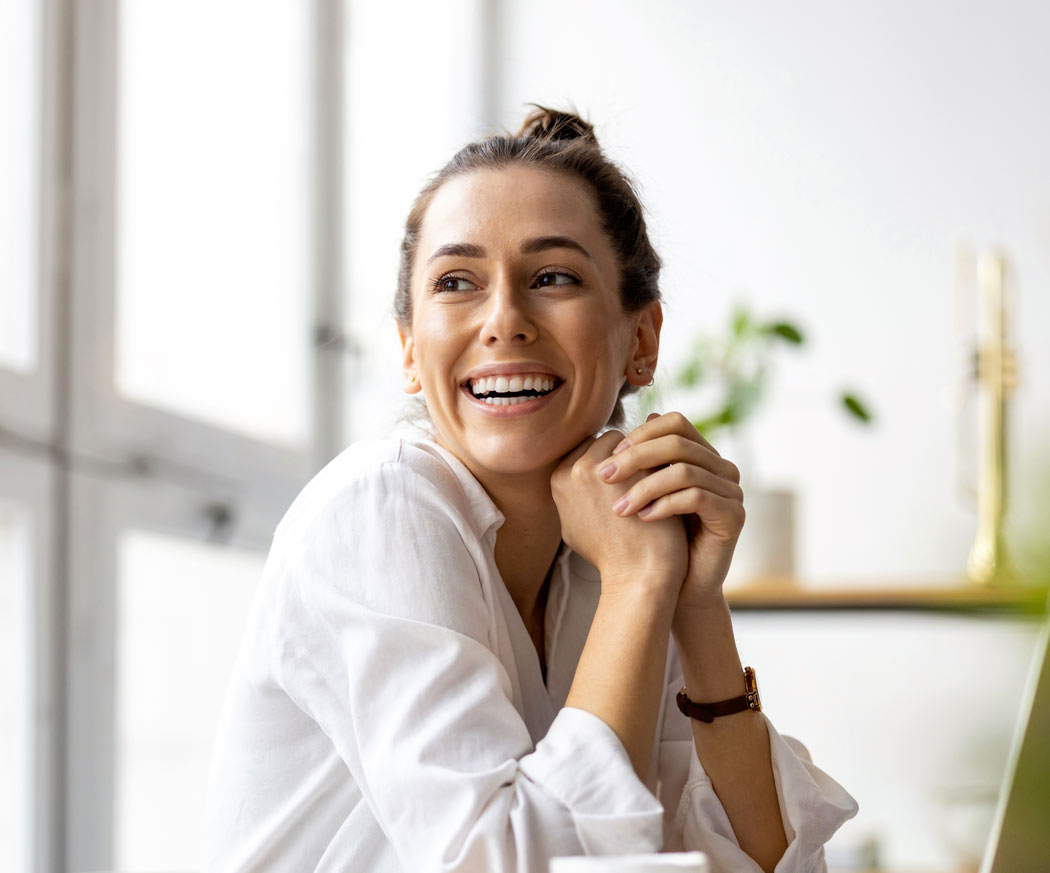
(684, 862)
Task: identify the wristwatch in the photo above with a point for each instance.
(708, 712)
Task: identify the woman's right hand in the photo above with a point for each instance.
(621, 549)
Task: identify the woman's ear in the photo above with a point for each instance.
(408, 362)
(642, 364)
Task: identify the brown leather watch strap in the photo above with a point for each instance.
(708, 712)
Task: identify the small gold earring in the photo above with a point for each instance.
(639, 371)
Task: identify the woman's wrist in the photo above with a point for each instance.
(643, 585)
(707, 649)
(693, 610)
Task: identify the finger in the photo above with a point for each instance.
(719, 515)
(679, 477)
(576, 452)
(658, 425)
(603, 446)
(590, 452)
(663, 450)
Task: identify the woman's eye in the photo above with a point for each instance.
(449, 284)
(541, 280)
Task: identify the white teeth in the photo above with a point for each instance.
(512, 384)
(504, 401)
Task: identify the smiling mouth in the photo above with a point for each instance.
(511, 390)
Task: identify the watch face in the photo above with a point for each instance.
(754, 701)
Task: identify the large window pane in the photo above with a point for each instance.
(213, 284)
(19, 177)
(15, 619)
(181, 606)
(395, 137)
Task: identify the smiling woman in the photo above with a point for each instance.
(466, 648)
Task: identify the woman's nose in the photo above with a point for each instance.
(507, 319)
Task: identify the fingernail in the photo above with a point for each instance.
(620, 504)
(607, 471)
(624, 444)
(642, 513)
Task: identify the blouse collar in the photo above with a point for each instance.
(486, 514)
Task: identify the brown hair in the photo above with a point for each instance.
(560, 142)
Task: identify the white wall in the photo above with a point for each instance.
(824, 161)
(912, 714)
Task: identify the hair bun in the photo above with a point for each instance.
(544, 123)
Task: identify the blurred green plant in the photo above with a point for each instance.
(737, 364)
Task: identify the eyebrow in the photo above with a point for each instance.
(530, 247)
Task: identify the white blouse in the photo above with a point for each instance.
(388, 712)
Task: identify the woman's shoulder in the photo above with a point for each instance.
(387, 528)
(378, 475)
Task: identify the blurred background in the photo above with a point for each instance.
(200, 209)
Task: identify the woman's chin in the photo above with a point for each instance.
(506, 451)
(511, 457)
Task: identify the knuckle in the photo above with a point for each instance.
(733, 472)
(684, 474)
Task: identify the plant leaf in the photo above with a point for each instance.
(856, 408)
(786, 331)
(711, 423)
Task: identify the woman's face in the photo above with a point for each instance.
(518, 340)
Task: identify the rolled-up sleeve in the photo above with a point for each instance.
(812, 804)
(385, 637)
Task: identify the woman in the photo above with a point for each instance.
(466, 648)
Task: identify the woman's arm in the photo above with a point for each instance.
(620, 674)
(734, 749)
(687, 477)
(619, 677)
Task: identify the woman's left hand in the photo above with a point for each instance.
(686, 477)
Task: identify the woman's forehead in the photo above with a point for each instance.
(513, 201)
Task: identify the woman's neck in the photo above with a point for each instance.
(528, 540)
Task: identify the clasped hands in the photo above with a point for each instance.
(659, 499)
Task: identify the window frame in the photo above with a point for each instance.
(28, 483)
(88, 463)
(101, 510)
(103, 424)
(25, 397)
